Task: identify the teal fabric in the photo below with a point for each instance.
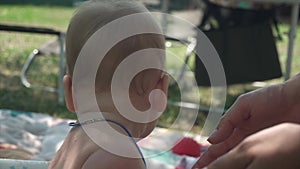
(15, 113)
(166, 157)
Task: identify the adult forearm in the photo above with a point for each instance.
(291, 97)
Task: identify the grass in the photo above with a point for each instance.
(43, 16)
(15, 47)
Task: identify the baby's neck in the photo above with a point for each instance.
(137, 130)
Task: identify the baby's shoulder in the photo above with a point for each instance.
(101, 159)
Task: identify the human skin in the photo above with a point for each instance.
(276, 147)
(79, 151)
(253, 112)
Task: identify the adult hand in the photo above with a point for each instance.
(276, 147)
(253, 112)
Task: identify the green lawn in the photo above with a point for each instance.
(15, 47)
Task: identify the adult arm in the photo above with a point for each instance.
(253, 112)
(276, 147)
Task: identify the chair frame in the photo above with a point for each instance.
(29, 61)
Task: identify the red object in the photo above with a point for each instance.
(188, 147)
(179, 168)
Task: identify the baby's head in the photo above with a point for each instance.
(91, 17)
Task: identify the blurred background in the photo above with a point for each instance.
(54, 15)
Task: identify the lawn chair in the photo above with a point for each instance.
(51, 48)
(55, 47)
(191, 44)
(266, 68)
(245, 43)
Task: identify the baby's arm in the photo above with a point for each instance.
(104, 160)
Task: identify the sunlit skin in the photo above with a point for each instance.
(253, 112)
(78, 150)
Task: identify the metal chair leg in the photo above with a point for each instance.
(26, 66)
(62, 69)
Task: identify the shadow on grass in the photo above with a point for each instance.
(16, 97)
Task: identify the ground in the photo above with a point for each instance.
(15, 47)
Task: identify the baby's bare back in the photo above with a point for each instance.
(80, 152)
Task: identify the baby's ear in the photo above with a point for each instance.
(159, 95)
(68, 92)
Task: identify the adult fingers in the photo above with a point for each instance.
(236, 115)
(235, 159)
(217, 150)
(231, 160)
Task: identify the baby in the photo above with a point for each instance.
(79, 151)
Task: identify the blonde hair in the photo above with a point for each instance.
(93, 15)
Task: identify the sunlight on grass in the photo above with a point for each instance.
(42, 16)
(15, 47)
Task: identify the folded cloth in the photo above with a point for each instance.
(28, 131)
(21, 164)
(10, 151)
